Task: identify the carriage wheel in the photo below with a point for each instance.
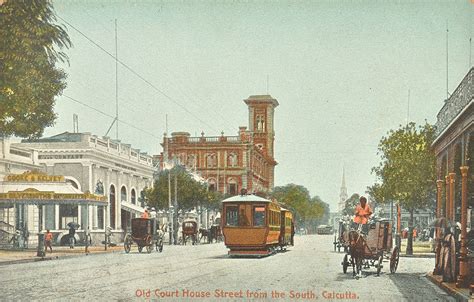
(140, 248)
(449, 271)
(127, 244)
(149, 248)
(345, 264)
(379, 265)
(394, 260)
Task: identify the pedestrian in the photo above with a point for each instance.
(72, 232)
(415, 233)
(48, 239)
(88, 240)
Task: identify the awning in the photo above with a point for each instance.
(37, 188)
(132, 208)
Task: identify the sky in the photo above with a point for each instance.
(343, 72)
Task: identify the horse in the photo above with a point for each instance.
(204, 233)
(356, 250)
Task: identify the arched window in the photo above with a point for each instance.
(133, 196)
(211, 160)
(191, 161)
(73, 183)
(112, 206)
(232, 160)
(260, 123)
(123, 194)
(212, 184)
(232, 186)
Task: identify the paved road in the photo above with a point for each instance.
(310, 271)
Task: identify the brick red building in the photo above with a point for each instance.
(230, 163)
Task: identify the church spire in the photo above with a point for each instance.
(343, 193)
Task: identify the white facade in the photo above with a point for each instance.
(99, 165)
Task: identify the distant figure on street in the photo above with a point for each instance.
(72, 232)
(415, 233)
(145, 214)
(48, 239)
(362, 211)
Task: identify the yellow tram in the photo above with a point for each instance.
(255, 226)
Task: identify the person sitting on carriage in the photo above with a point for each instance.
(362, 213)
(145, 214)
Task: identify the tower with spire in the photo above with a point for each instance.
(343, 193)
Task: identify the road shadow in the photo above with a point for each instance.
(423, 286)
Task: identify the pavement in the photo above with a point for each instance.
(206, 268)
(461, 294)
(59, 252)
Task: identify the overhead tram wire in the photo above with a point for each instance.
(111, 116)
(137, 74)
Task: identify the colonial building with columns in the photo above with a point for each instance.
(98, 165)
(230, 163)
(454, 150)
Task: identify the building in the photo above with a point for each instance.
(454, 150)
(231, 163)
(342, 194)
(93, 164)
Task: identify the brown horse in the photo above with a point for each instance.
(357, 246)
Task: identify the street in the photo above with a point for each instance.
(308, 271)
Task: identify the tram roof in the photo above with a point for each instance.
(246, 198)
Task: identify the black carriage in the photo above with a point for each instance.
(145, 234)
(370, 247)
(189, 231)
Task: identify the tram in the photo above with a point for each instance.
(255, 226)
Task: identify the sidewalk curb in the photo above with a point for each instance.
(450, 290)
(59, 257)
(418, 256)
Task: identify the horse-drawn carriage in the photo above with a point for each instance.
(189, 231)
(341, 236)
(146, 234)
(370, 247)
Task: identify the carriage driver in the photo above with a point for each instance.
(362, 211)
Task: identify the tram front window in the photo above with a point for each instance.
(259, 216)
(232, 216)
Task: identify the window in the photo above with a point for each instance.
(133, 196)
(232, 216)
(260, 123)
(123, 194)
(67, 213)
(100, 217)
(259, 216)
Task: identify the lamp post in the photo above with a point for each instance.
(170, 206)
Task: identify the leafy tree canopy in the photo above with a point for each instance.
(29, 80)
(350, 204)
(406, 172)
(298, 199)
(190, 193)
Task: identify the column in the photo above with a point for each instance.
(56, 217)
(452, 211)
(448, 205)
(439, 185)
(463, 278)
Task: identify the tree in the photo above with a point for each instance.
(189, 191)
(297, 198)
(406, 172)
(29, 80)
(350, 204)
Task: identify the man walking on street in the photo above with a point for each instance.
(48, 239)
(72, 232)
